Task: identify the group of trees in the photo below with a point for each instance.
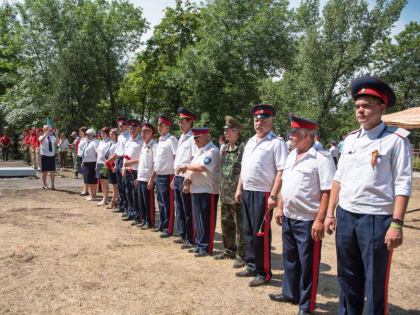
(83, 62)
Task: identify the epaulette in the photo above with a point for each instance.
(323, 152)
(400, 132)
(352, 132)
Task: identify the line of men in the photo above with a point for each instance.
(370, 191)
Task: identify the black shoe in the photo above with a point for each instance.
(143, 223)
(125, 214)
(136, 222)
(165, 235)
(186, 245)
(157, 229)
(239, 263)
(118, 211)
(179, 241)
(144, 227)
(193, 250)
(223, 256)
(257, 281)
(281, 298)
(201, 254)
(129, 218)
(304, 313)
(246, 273)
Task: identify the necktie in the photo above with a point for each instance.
(49, 144)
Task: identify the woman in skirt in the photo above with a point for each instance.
(47, 142)
(89, 157)
(101, 170)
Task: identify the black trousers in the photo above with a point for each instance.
(363, 262)
(131, 193)
(183, 205)
(121, 185)
(257, 232)
(165, 197)
(301, 258)
(146, 199)
(205, 214)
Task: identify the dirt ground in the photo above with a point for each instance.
(61, 254)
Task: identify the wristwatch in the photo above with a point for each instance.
(397, 221)
(273, 197)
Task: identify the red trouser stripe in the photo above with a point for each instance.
(171, 206)
(192, 220)
(266, 244)
(315, 267)
(152, 207)
(388, 270)
(212, 223)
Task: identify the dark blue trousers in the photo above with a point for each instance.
(121, 184)
(363, 262)
(301, 257)
(205, 213)
(131, 193)
(165, 197)
(257, 232)
(183, 207)
(146, 200)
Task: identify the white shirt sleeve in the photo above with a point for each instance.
(280, 154)
(211, 160)
(326, 171)
(402, 170)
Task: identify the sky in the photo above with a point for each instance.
(153, 12)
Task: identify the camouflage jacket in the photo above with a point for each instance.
(231, 169)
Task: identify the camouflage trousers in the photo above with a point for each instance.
(232, 232)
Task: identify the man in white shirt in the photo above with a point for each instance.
(334, 151)
(203, 181)
(186, 149)
(307, 179)
(145, 177)
(163, 174)
(259, 184)
(132, 149)
(119, 157)
(372, 187)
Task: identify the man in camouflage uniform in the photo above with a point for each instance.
(232, 211)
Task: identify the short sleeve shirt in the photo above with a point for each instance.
(122, 138)
(102, 149)
(45, 147)
(145, 166)
(132, 150)
(81, 146)
(185, 150)
(165, 155)
(367, 187)
(303, 181)
(261, 161)
(208, 181)
(89, 152)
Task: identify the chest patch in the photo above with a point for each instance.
(207, 160)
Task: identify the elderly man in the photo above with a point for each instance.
(307, 179)
(186, 149)
(163, 172)
(259, 184)
(203, 180)
(231, 211)
(371, 187)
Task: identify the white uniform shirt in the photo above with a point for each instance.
(165, 151)
(102, 149)
(303, 181)
(147, 155)
(209, 181)
(334, 151)
(261, 161)
(45, 148)
(132, 149)
(368, 189)
(82, 146)
(89, 153)
(122, 138)
(185, 151)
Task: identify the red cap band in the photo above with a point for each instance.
(304, 124)
(201, 132)
(146, 127)
(185, 115)
(373, 92)
(263, 111)
(163, 120)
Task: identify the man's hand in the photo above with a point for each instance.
(329, 225)
(136, 182)
(186, 189)
(278, 216)
(171, 185)
(150, 184)
(180, 170)
(238, 196)
(271, 203)
(393, 238)
(317, 230)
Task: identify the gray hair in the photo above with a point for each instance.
(91, 132)
(310, 132)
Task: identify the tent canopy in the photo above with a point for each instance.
(408, 119)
